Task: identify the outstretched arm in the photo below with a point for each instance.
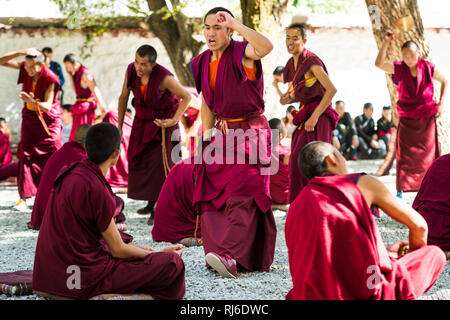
(381, 62)
(375, 193)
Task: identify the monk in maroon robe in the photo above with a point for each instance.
(279, 181)
(8, 168)
(159, 101)
(70, 152)
(433, 202)
(117, 176)
(87, 94)
(176, 219)
(40, 133)
(191, 123)
(310, 85)
(70, 260)
(335, 248)
(233, 198)
(417, 144)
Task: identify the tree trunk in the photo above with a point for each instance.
(384, 14)
(176, 35)
(263, 15)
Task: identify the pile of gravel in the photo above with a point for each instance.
(17, 245)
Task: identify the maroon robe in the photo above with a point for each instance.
(117, 176)
(145, 161)
(433, 202)
(417, 144)
(336, 251)
(69, 153)
(234, 199)
(80, 208)
(279, 182)
(175, 215)
(8, 168)
(83, 110)
(36, 146)
(309, 98)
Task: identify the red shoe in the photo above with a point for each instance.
(223, 264)
(353, 158)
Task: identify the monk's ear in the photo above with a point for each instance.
(331, 160)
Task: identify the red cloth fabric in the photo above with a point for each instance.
(241, 230)
(8, 168)
(279, 182)
(117, 176)
(433, 202)
(416, 149)
(144, 151)
(300, 138)
(69, 153)
(35, 145)
(83, 112)
(336, 251)
(415, 94)
(80, 208)
(175, 215)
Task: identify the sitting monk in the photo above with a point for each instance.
(8, 168)
(279, 182)
(70, 261)
(334, 245)
(433, 202)
(69, 153)
(176, 219)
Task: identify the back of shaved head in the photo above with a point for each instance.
(311, 160)
(80, 134)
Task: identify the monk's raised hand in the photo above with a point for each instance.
(26, 97)
(388, 36)
(224, 19)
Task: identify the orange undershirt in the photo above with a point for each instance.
(144, 92)
(213, 65)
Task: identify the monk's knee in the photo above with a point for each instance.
(438, 256)
(174, 264)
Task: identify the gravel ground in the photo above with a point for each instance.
(17, 245)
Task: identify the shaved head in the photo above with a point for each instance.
(410, 45)
(80, 134)
(312, 159)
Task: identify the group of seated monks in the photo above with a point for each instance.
(334, 246)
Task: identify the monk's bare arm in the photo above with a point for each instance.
(169, 83)
(7, 60)
(90, 82)
(120, 249)
(375, 193)
(330, 91)
(439, 77)
(122, 105)
(207, 120)
(380, 61)
(258, 45)
(45, 105)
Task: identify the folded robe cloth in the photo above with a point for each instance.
(105, 296)
(17, 283)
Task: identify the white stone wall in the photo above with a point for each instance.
(348, 54)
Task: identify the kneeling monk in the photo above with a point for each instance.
(334, 245)
(79, 217)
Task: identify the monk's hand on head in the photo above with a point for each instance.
(30, 52)
(224, 19)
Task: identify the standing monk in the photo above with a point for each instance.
(417, 144)
(238, 227)
(311, 86)
(87, 93)
(158, 111)
(40, 134)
